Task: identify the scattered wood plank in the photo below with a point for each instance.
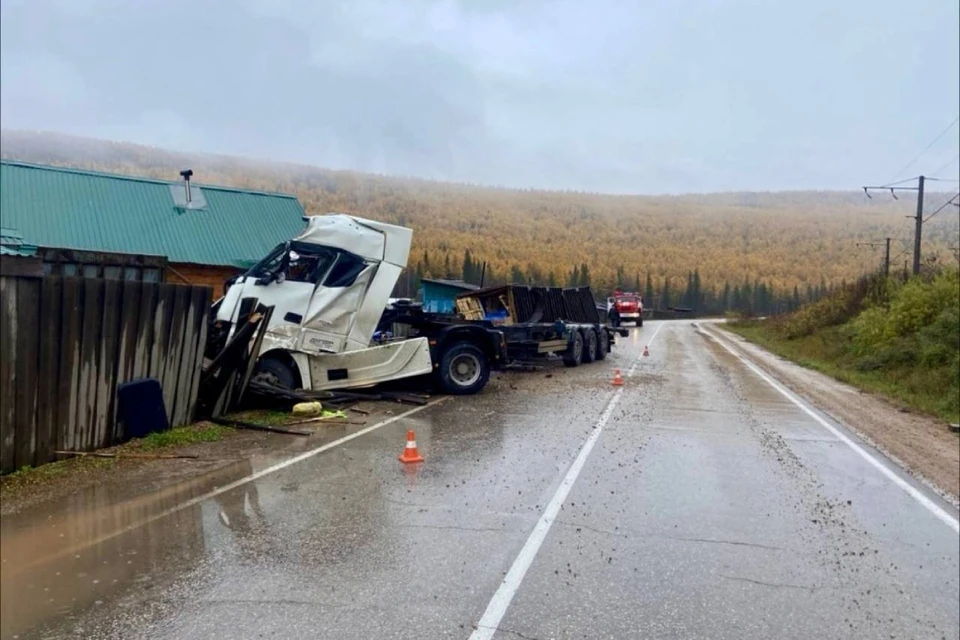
(240, 424)
(327, 420)
(121, 454)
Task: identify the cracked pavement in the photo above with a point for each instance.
(709, 507)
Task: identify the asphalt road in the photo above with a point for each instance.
(697, 502)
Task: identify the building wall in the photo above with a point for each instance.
(212, 276)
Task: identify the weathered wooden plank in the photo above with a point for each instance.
(48, 384)
(131, 292)
(201, 346)
(71, 328)
(188, 357)
(161, 331)
(8, 372)
(174, 349)
(107, 359)
(148, 309)
(89, 353)
(27, 347)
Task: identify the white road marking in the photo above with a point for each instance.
(653, 337)
(912, 491)
(254, 476)
(488, 624)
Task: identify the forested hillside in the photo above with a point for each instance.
(752, 251)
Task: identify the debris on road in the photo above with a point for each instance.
(242, 424)
(120, 454)
(311, 408)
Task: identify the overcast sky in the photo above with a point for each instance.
(617, 96)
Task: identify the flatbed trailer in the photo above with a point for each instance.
(576, 342)
(539, 322)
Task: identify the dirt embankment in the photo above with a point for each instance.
(921, 444)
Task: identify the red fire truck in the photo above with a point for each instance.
(625, 307)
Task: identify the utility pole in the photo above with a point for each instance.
(886, 258)
(886, 261)
(916, 236)
(919, 219)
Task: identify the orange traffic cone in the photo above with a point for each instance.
(646, 350)
(617, 378)
(410, 453)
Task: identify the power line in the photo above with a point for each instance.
(945, 205)
(926, 148)
(945, 166)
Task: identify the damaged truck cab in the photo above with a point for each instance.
(328, 288)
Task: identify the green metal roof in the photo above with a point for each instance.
(75, 209)
(12, 244)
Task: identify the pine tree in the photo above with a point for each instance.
(698, 298)
(666, 293)
(469, 268)
(534, 274)
(574, 279)
(648, 291)
(584, 276)
(447, 269)
(795, 302)
(725, 297)
(552, 279)
(517, 276)
(621, 277)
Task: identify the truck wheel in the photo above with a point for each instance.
(573, 356)
(275, 372)
(590, 346)
(639, 322)
(464, 369)
(603, 344)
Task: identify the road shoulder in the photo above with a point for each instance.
(920, 444)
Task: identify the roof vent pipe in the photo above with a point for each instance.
(186, 173)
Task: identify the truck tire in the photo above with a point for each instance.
(464, 369)
(603, 344)
(573, 356)
(639, 322)
(276, 372)
(591, 346)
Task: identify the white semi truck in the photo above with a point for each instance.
(329, 288)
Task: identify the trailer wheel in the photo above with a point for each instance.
(464, 369)
(603, 345)
(574, 353)
(276, 372)
(590, 346)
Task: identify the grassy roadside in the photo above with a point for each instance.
(82, 466)
(161, 442)
(828, 351)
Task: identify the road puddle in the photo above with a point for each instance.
(66, 557)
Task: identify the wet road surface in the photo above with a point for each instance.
(710, 506)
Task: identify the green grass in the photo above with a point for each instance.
(269, 417)
(28, 475)
(828, 350)
(181, 436)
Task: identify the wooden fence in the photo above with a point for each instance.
(65, 345)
